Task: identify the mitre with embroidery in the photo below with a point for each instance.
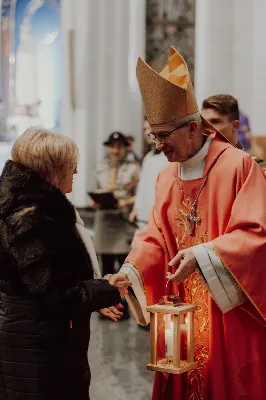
(167, 95)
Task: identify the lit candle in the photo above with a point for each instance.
(169, 337)
(169, 343)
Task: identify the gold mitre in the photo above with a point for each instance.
(167, 95)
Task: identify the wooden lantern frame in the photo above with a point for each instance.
(178, 366)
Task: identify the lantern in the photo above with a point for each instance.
(178, 326)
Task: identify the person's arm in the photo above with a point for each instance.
(126, 202)
(224, 288)
(47, 254)
(146, 266)
(96, 185)
(131, 186)
(232, 264)
(66, 297)
(242, 247)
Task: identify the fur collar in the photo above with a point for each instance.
(21, 187)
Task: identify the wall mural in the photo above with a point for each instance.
(30, 85)
(170, 23)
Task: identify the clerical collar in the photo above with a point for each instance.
(198, 157)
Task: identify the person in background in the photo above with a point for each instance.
(131, 154)
(152, 164)
(47, 285)
(222, 112)
(113, 232)
(244, 132)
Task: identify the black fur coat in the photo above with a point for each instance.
(46, 292)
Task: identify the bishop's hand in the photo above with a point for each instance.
(187, 265)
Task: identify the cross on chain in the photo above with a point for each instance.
(193, 219)
(192, 216)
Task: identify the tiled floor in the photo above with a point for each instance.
(118, 355)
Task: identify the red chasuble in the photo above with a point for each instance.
(230, 348)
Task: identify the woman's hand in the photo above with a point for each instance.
(112, 313)
(95, 205)
(120, 281)
(115, 278)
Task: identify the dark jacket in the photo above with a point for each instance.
(46, 292)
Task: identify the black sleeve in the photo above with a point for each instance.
(49, 262)
(102, 294)
(69, 296)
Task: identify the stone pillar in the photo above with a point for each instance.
(213, 47)
(257, 55)
(229, 54)
(102, 95)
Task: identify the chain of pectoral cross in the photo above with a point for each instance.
(192, 217)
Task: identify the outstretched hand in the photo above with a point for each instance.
(112, 313)
(187, 265)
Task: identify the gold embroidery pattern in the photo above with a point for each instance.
(196, 293)
(185, 240)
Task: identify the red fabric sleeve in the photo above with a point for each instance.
(242, 248)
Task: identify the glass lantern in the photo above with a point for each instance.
(178, 329)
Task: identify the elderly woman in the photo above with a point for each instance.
(112, 232)
(47, 290)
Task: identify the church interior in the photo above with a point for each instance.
(70, 66)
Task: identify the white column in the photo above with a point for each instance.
(258, 97)
(0, 45)
(137, 48)
(230, 36)
(67, 28)
(213, 48)
(109, 36)
(243, 43)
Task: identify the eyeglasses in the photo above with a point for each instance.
(163, 137)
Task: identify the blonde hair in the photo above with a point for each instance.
(47, 153)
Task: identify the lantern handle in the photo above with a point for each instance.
(167, 284)
(175, 299)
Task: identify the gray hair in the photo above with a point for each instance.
(188, 118)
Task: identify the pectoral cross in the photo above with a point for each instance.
(193, 219)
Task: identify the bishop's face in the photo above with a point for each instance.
(177, 144)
